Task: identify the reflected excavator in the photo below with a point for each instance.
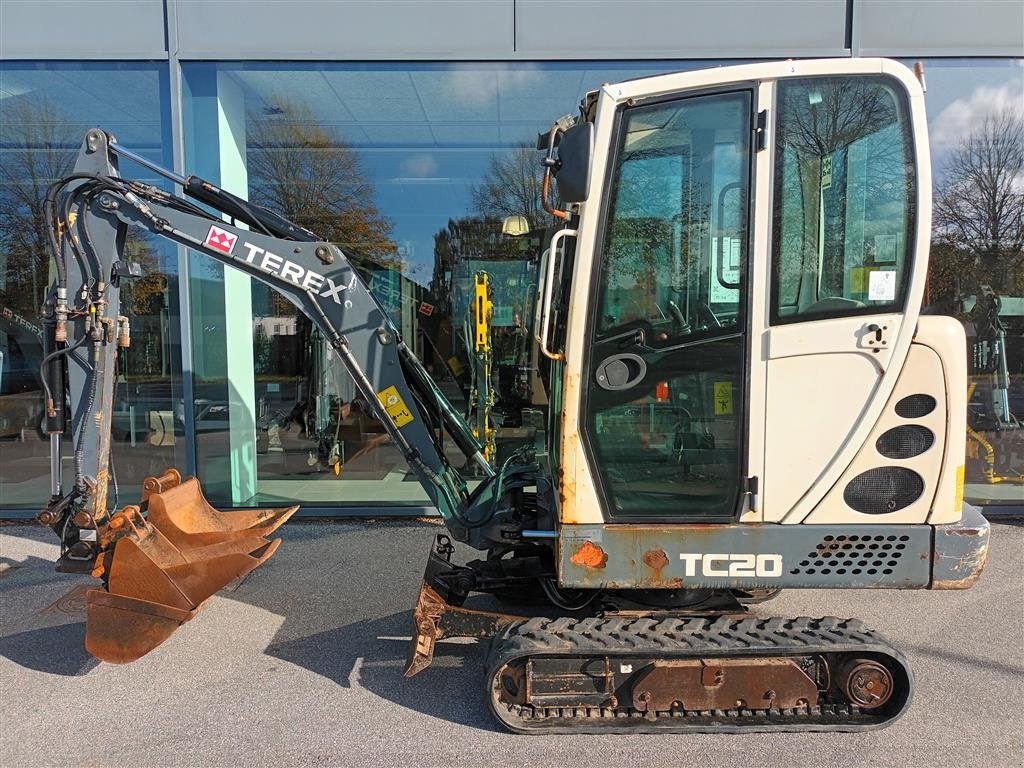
(744, 397)
(995, 444)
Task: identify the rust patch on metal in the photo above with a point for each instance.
(674, 583)
(959, 555)
(435, 618)
(566, 495)
(589, 555)
(569, 447)
(656, 560)
(171, 478)
(971, 565)
(866, 683)
(702, 684)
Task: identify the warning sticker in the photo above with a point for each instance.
(395, 406)
(882, 285)
(723, 398)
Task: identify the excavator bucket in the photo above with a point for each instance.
(185, 517)
(159, 568)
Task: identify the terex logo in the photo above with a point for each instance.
(306, 279)
(739, 566)
(220, 240)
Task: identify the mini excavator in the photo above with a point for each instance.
(744, 397)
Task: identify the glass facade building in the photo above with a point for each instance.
(417, 157)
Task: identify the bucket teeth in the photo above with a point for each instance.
(159, 569)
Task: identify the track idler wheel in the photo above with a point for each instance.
(866, 683)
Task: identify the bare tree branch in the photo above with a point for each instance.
(978, 220)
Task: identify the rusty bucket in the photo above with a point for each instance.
(159, 567)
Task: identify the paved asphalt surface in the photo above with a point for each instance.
(302, 665)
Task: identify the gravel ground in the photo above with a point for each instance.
(302, 665)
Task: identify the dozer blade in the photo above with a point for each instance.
(159, 571)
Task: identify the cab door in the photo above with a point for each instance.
(663, 402)
(840, 313)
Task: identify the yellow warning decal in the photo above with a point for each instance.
(958, 501)
(723, 398)
(395, 406)
(860, 278)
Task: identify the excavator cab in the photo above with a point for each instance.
(753, 244)
(743, 397)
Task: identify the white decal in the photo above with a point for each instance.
(220, 240)
(333, 290)
(710, 565)
(742, 566)
(313, 282)
(306, 279)
(882, 285)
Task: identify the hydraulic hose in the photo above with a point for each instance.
(44, 364)
(50, 213)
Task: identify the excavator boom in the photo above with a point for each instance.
(161, 559)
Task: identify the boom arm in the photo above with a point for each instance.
(314, 275)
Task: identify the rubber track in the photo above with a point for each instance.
(677, 638)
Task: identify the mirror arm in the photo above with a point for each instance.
(550, 163)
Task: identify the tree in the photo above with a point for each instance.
(36, 154)
(299, 168)
(819, 125)
(511, 187)
(41, 145)
(978, 219)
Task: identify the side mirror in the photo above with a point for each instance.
(575, 154)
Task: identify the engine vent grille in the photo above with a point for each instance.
(856, 555)
(915, 406)
(905, 442)
(883, 489)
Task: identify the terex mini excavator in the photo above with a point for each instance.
(743, 397)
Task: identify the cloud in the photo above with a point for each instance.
(419, 166)
(957, 120)
(479, 86)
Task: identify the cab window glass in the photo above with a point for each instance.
(675, 246)
(843, 199)
(664, 399)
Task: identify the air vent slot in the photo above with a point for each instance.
(866, 555)
(905, 442)
(915, 406)
(882, 490)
